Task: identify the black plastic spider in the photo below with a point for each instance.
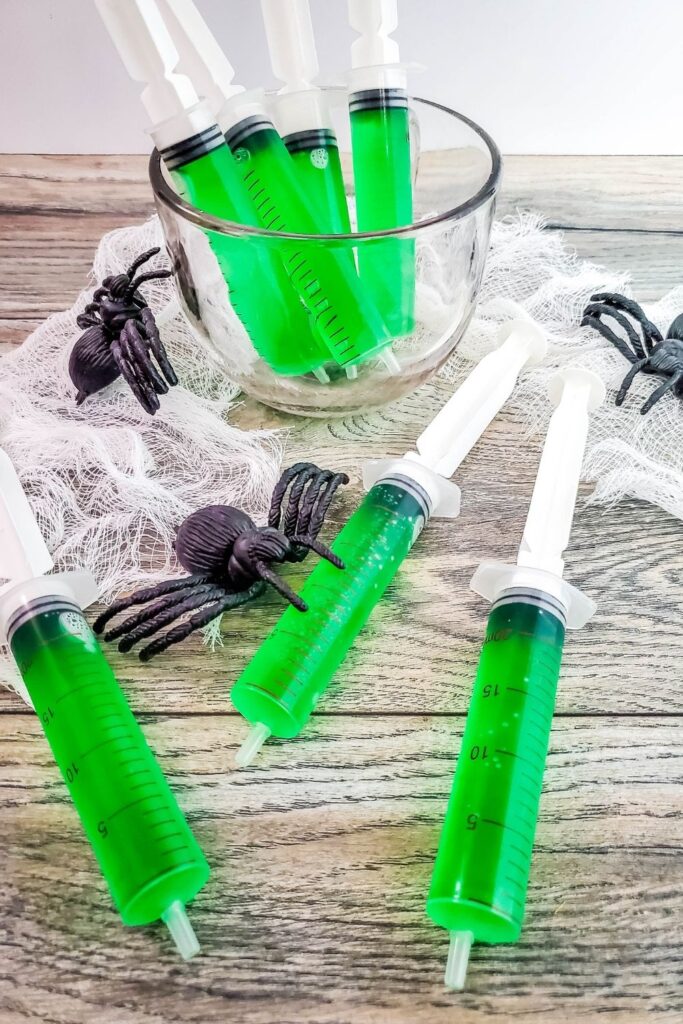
(229, 559)
(651, 354)
(121, 338)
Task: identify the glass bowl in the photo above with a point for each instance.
(434, 266)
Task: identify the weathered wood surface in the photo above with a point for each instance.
(322, 852)
(321, 857)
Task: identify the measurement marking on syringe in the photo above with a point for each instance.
(511, 753)
(138, 785)
(543, 716)
(77, 689)
(520, 886)
(531, 793)
(501, 824)
(112, 739)
(126, 807)
(522, 868)
(518, 849)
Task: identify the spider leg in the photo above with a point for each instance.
(324, 501)
(313, 491)
(608, 333)
(651, 332)
(311, 544)
(151, 611)
(283, 588)
(301, 500)
(143, 360)
(157, 346)
(143, 596)
(628, 380)
(661, 391)
(143, 258)
(151, 275)
(596, 309)
(145, 394)
(199, 620)
(88, 320)
(188, 604)
(281, 487)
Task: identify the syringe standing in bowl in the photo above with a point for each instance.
(280, 687)
(151, 861)
(302, 114)
(382, 165)
(344, 315)
(204, 171)
(480, 879)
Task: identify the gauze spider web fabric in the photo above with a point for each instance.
(531, 273)
(109, 483)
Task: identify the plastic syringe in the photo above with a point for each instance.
(478, 889)
(380, 137)
(302, 113)
(146, 851)
(281, 685)
(345, 317)
(205, 172)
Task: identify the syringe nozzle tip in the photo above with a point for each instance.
(458, 959)
(256, 737)
(390, 361)
(178, 923)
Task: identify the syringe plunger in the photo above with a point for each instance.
(149, 54)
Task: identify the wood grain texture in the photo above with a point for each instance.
(321, 858)
(322, 853)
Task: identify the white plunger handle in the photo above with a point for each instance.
(291, 42)
(375, 20)
(201, 56)
(23, 552)
(465, 417)
(147, 50)
(576, 393)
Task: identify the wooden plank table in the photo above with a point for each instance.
(322, 852)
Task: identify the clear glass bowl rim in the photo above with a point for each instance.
(165, 194)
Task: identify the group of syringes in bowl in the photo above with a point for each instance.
(149, 857)
(307, 309)
(147, 853)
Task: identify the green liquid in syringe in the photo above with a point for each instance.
(319, 172)
(482, 868)
(345, 317)
(152, 863)
(281, 685)
(380, 135)
(260, 290)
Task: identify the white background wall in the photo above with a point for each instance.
(543, 76)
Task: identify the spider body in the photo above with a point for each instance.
(229, 559)
(647, 351)
(122, 339)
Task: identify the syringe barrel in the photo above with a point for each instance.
(284, 680)
(206, 175)
(146, 851)
(315, 155)
(482, 867)
(382, 170)
(345, 316)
